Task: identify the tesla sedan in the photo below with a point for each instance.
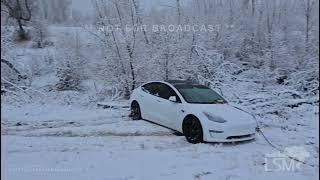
(197, 111)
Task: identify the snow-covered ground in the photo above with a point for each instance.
(73, 142)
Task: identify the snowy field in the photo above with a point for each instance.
(52, 142)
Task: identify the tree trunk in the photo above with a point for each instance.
(21, 32)
(308, 12)
(253, 6)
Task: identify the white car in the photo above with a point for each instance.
(195, 110)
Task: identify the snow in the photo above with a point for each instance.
(74, 142)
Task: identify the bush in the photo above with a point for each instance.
(19, 35)
(68, 79)
(39, 35)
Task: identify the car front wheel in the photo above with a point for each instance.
(192, 130)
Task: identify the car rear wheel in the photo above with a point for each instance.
(135, 111)
(192, 130)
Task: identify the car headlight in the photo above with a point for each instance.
(214, 118)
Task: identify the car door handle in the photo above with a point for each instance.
(158, 101)
(141, 95)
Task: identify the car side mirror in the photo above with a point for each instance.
(173, 98)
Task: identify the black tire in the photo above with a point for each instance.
(192, 130)
(135, 111)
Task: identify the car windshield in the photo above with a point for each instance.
(200, 94)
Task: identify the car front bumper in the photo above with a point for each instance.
(230, 133)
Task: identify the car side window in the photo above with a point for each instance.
(166, 91)
(151, 88)
(160, 90)
(147, 88)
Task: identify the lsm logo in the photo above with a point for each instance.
(280, 161)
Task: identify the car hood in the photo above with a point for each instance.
(228, 112)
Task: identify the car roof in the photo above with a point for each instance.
(174, 82)
(181, 82)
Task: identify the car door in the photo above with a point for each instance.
(169, 111)
(150, 103)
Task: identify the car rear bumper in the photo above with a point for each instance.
(233, 133)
